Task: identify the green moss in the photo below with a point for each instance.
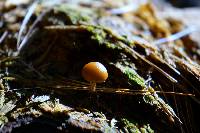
(111, 45)
(131, 74)
(2, 98)
(133, 77)
(151, 100)
(90, 28)
(146, 129)
(131, 127)
(143, 130)
(98, 36)
(105, 37)
(75, 16)
(134, 127)
(3, 119)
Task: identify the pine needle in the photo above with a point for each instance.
(25, 22)
(176, 36)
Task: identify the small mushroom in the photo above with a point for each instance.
(94, 72)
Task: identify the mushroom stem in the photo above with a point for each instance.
(92, 86)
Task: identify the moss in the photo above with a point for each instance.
(99, 37)
(97, 34)
(151, 100)
(111, 45)
(143, 130)
(134, 127)
(3, 119)
(131, 127)
(146, 129)
(133, 77)
(75, 16)
(105, 37)
(2, 97)
(131, 74)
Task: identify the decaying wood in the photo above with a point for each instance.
(153, 85)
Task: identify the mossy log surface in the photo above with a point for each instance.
(42, 90)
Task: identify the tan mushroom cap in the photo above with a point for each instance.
(94, 72)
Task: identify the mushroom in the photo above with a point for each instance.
(94, 72)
